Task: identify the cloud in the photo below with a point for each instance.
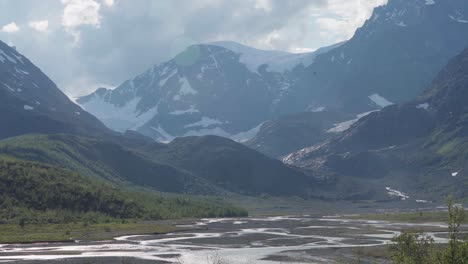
(109, 41)
(344, 16)
(78, 13)
(10, 28)
(263, 4)
(109, 2)
(41, 25)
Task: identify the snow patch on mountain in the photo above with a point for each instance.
(185, 89)
(216, 131)
(395, 193)
(251, 57)
(247, 135)
(163, 82)
(191, 110)
(380, 101)
(459, 20)
(401, 24)
(422, 201)
(318, 109)
(4, 57)
(9, 88)
(424, 106)
(164, 136)
(205, 122)
(430, 2)
(119, 118)
(277, 61)
(28, 107)
(340, 127)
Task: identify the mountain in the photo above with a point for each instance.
(50, 133)
(232, 166)
(276, 61)
(207, 165)
(394, 55)
(419, 148)
(228, 89)
(290, 133)
(31, 103)
(221, 88)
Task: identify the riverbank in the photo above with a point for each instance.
(260, 240)
(11, 234)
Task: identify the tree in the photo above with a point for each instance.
(457, 250)
(417, 248)
(412, 248)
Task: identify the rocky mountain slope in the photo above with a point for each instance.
(31, 103)
(395, 55)
(290, 133)
(222, 88)
(419, 148)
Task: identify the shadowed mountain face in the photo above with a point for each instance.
(232, 166)
(395, 54)
(197, 165)
(421, 146)
(290, 133)
(31, 103)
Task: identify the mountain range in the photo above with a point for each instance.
(380, 117)
(46, 137)
(230, 90)
(221, 88)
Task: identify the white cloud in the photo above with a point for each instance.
(263, 4)
(133, 35)
(81, 12)
(42, 25)
(109, 2)
(10, 28)
(342, 17)
(78, 13)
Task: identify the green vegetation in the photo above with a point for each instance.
(77, 231)
(412, 248)
(417, 217)
(97, 158)
(35, 193)
(416, 248)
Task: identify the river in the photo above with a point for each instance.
(263, 240)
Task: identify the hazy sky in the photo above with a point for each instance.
(84, 44)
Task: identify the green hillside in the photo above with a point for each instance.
(32, 192)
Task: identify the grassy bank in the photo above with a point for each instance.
(77, 231)
(415, 217)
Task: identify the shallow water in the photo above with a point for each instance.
(240, 241)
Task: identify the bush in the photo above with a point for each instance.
(417, 248)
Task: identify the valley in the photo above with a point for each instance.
(212, 151)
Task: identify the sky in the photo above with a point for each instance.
(86, 44)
